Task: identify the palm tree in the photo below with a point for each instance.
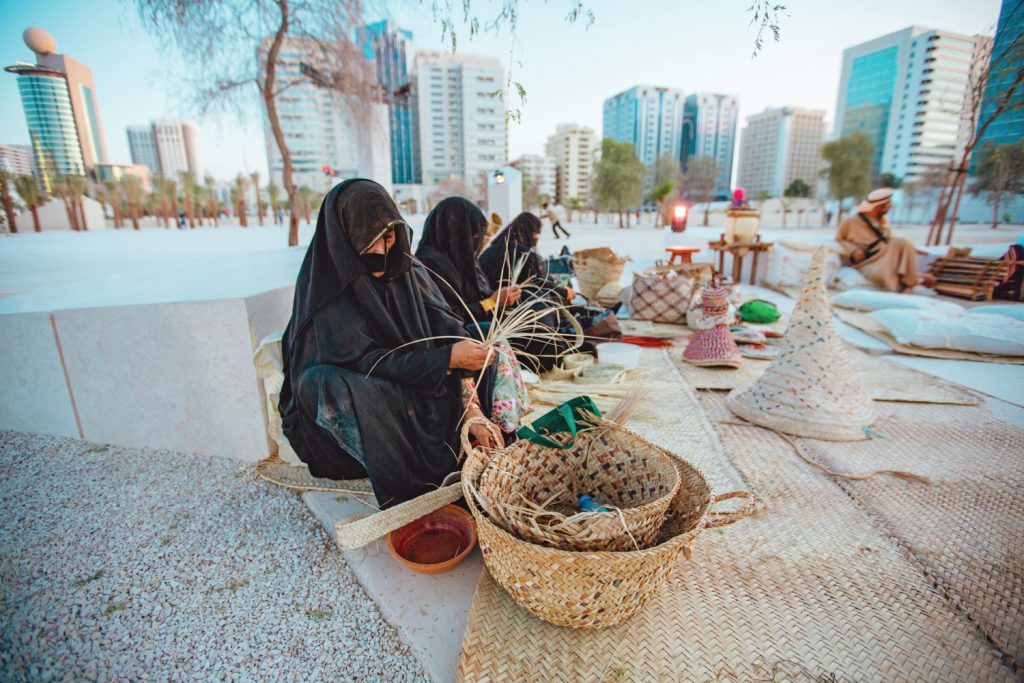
(162, 195)
(28, 189)
(188, 190)
(111, 194)
(211, 198)
(306, 195)
(62, 188)
(8, 200)
(241, 186)
(574, 204)
(77, 187)
(274, 194)
(132, 187)
(255, 178)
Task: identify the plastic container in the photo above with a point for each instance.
(436, 542)
(617, 353)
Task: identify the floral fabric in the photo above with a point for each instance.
(510, 400)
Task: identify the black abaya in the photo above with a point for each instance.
(349, 405)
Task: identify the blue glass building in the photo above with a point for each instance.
(50, 120)
(386, 46)
(1008, 127)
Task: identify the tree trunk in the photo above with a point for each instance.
(620, 220)
(81, 212)
(962, 180)
(270, 70)
(5, 194)
(213, 212)
(707, 209)
(784, 212)
(35, 218)
(69, 206)
(995, 209)
(259, 205)
(174, 207)
(134, 211)
(191, 213)
(839, 213)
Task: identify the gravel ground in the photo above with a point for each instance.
(130, 564)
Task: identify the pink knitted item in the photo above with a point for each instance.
(713, 345)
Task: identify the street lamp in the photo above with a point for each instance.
(679, 214)
(499, 177)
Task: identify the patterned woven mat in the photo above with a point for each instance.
(966, 530)
(809, 588)
(865, 323)
(884, 380)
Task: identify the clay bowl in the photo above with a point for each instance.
(436, 542)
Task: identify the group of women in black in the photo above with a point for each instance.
(379, 372)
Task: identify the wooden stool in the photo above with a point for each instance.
(739, 251)
(685, 254)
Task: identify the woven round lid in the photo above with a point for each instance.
(811, 389)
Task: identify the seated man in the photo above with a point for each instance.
(867, 241)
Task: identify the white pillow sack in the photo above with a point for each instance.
(789, 261)
(1015, 311)
(869, 300)
(847, 278)
(996, 335)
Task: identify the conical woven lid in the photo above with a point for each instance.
(811, 389)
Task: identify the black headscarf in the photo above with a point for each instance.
(508, 246)
(453, 235)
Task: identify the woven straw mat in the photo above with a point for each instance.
(884, 380)
(808, 588)
(967, 529)
(865, 323)
(276, 471)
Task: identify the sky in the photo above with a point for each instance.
(567, 69)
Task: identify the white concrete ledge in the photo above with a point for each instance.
(173, 375)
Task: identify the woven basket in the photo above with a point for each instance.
(533, 491)
(593, 589)
(595, 268)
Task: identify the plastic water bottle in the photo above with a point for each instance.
(588, 504)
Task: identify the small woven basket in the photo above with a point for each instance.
(592, 589)
(595, 268)
(533, 491)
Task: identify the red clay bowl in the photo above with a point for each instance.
(436, 542)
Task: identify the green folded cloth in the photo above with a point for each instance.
(759, 311)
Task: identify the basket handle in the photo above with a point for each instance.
(468, 447)
(716, 519)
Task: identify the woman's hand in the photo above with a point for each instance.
(470, 355)
(857, 255)
(478, 432)
(506, 296)
(569, 294)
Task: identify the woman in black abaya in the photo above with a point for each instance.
(351, 404)
(453, 236)
(515, 242)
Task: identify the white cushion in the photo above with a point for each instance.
(847, 278)
(788, 265)
(1015, 311)
(868, 300)
(934, 329)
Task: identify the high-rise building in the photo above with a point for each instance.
(17, 160)
(330, 137)
(710, 121)
(387, 46)
(462, 115)
(142, 148)
(1005, 62)
(167, 147)
(909, 92)
(63, 116)
(649, 117)
(539, 169)
(574, 149)
(779, 146)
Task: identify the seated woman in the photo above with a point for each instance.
(453, 235)
(362, 395)
(887, 261)
(509, 247)
(514, 246)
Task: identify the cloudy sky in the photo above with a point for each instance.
(567, 69)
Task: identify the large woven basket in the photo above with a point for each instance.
(533, 491)
(595, 268)
(593, 589)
